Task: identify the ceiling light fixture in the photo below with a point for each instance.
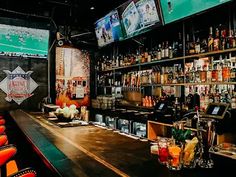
(92, 8)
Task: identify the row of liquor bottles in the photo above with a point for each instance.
(199, 96)
(198, 71)
(222, 39)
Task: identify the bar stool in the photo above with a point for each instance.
(6, 154)
(2, 121)
(2, 129)
(3, 140)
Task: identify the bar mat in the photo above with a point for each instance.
(64, 124)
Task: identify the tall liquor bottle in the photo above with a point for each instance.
(233, 72)
(223, 39)
(203, 74)
(217, 40)
(196, 98)
(159, 54)
(189, 99)
(210, 40)
(180, 45)
(214, 74)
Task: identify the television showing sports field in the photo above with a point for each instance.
(139, 16)
(108, 29)
(23, 41)
(177, 9)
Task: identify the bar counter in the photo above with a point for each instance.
(90, 151)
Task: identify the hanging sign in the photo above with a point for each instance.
(18, 85)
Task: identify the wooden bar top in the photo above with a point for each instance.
(90, 151)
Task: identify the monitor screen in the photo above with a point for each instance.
(23, 41)
(177, 9)
(139, 16)
(161, 106)
(216, 110)
(108, 29)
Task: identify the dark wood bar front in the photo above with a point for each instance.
(90, 151)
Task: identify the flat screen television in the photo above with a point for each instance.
(108, 29)
(173, 10)
(139, 16)
(23, 41)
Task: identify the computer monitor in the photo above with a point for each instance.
(216, 110)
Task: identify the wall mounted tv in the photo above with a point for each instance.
(139, 16)
(23, 41)
(177, 9)
(108, 29)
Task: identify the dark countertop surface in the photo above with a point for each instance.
(90, 151)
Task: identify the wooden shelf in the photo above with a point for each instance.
(160, 129)
(189, 84)
(173, 59)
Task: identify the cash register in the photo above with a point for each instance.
(163, 112)
(221, 114)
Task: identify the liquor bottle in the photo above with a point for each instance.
(233, 72)
(197, 75)
(209, 73)
(223, 39)
(163, 50)
(154, 54)
(233, 100)
(170, 52)
(197, 46)
(204, 47)
(180, 74)
(146, 54)
(226, 71)
(166, 50)
(203, 74)
(187, 74)
(229, 43)
(192, 46)
(234, 39)
(192, 75)
(189, 99)
(196, 98)
(220, 72)
(217, 96)
(214, 74)
(202, 101)
(187, 47)
(170, 75)
(210, 40)
(180, 45)
(159, 54)
(217, 40)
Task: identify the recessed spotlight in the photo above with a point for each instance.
(92, 8)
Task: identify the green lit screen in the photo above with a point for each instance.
(176, 9)
(22, 41)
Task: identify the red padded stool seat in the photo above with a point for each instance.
(2, 129)
(2, 121)
(6, 153)
(3, 140)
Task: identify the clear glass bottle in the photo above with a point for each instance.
(203, 74)
(214, 73)
(210, 40)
